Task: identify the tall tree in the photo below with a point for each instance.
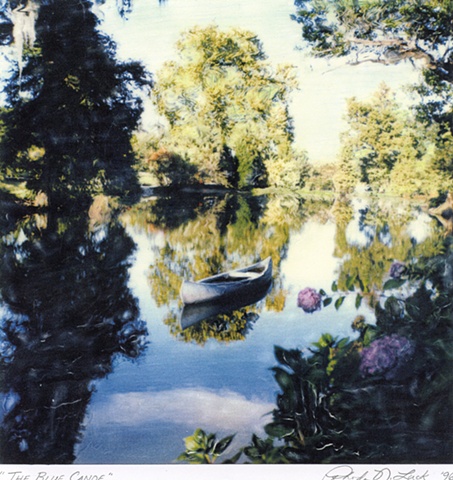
(72, 108)
(388, 149)
(227, 109)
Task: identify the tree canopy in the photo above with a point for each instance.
(389, 32)
(388, 149)
(385, 32)
(17, 17)
(227, 110)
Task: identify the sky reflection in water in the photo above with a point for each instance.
(142, 412)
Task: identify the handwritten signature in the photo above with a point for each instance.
(346, 472)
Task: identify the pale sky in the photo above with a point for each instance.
(317, 107)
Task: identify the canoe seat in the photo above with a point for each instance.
(243, 274)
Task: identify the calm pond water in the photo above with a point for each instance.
(96, 366)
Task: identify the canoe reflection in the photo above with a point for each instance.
(193, 314)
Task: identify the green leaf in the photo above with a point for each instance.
(322, 292)
(343, 342)
(257, 442)
(334, 287)
(361, 285)
(327, 301)
(283, 378)
(281, 355)
(370, 335)
(194, 441)
(350, 283)
(251, 452)
(339, 302)
(393, 283)
(222, 445)
(358, 300)
(278, 430)
(210, 442)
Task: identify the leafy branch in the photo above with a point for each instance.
(204, 448)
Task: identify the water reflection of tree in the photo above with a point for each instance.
(380, 235)
(225, 328)
(66, 313)
(72, 109)
(384, 396)
(199, 235)
(205, 234)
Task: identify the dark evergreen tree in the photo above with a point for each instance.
(73, 107)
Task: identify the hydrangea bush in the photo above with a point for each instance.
(383, 397)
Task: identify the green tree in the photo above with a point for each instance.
(227, 110)
(383, 32)
(388, 149)
(376, 134)
(390, 32)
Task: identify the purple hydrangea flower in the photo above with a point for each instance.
(386, 356)
(397, 269)
(309, 300)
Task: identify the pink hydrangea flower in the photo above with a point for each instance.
(397, 269)
(309, 300)
(386, 356)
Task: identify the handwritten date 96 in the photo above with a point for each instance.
(447, 475)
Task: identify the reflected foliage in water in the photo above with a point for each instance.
(371, 236)
(65, 306)
(224, 328)
(199, 235)
(195, 235)
(67, 312)
(226, 321)
(384, 396)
